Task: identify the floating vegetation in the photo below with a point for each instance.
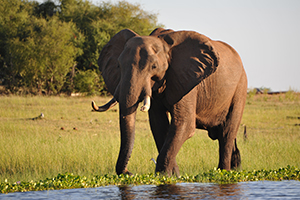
(70, 181)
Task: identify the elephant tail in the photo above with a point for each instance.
(235, 157)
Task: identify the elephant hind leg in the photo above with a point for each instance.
(235, 157)
(229, 153)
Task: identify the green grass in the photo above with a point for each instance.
(39, 149)
(69, 181)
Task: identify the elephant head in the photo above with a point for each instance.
(134, 67)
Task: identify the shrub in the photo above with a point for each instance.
(89, 83)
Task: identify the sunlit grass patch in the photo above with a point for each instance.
(73, 139)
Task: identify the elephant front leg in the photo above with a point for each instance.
(166, 160)
(181, 128)
(159, 123)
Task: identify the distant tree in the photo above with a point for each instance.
(264, 90)
(50, 47)
(46, 56)
(46, 9)
(88, 82)
(100, 23)
(14, 18)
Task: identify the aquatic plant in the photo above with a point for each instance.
(69, 180)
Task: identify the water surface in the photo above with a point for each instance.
(244, 190)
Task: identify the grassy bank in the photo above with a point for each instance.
(69, 181)
(72, 139)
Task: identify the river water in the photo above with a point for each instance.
(244, 190)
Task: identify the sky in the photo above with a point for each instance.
(266, 33)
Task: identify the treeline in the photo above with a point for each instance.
(53, 47)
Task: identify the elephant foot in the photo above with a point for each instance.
(169, 170)
(125, 172)
(128, 173)
(175, 171)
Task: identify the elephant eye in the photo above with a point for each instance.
(153, 66)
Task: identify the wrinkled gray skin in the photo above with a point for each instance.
(200, 82)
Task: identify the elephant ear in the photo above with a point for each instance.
(108, 59)
(160, 31)
(192, 59)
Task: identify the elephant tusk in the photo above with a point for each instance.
(146, 105)
(105, 107)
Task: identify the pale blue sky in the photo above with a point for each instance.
(266, 33)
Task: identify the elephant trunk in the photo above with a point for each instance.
(127, 127)
(127, 112)
(128, 96)
(128, 104)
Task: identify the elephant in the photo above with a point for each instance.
(186, 81)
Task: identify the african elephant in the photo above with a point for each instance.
(200, 82)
